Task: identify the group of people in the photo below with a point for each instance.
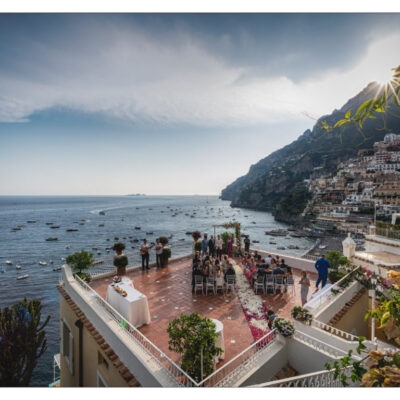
(213, 247)
(211, 266)
(145, 248)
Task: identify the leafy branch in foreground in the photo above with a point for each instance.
(378, 104)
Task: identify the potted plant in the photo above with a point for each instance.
(81, 261)
(164, 240)
(119, 248)
(194, 337)
(196, 235)
(120, 262)
(301, 314)
(284, 327)
(166, 254)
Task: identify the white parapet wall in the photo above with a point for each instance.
(374, 243)
(292, 261)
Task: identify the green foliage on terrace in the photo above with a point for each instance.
(194, 337)
(22, 342)
(80, 262)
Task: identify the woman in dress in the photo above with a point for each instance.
(305, 285)
(219, 280)
(229, 245)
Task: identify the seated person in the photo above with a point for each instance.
(278, 271)
(260, 270)
(229, 271)
(207, 271)
(288, 269)
(219, 276)
(225, 263)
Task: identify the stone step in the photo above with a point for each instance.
(286, 372)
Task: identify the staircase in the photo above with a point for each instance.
(347, 307)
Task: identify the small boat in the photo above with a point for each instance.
(256, 241)
(292, 246)
(49, 223)
(94, 248)
(102, 213)
(54, 227)
(276, 232)
(281, 248)
(67, 246)
(188, 233)
(101, 225)
(51, 239)
(99, 252)
(31, 221)
(8, 262)
(22, 276)
(272, 242)
(57, 269)
(137, 227)
(135, 240)
(116, 237)
(42, 263)
(51, 262)
(72, 229)
(62, 259)
(81, 223)
(18, 266)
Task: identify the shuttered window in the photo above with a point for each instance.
(67, 345)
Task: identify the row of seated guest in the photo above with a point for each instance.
(211, 267)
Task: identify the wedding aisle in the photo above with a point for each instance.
(252, 304)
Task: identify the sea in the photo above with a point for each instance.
(99, 219)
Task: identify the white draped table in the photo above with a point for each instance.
(134, 307)
(220, 338)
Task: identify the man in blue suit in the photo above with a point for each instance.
(322, 267)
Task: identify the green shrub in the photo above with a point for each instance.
(197, 246)
(224, 237)
(80, 261)
(164, 240)
(284, 327)
(301, 314)
(166, 253)
(119, 247)
(120, 261)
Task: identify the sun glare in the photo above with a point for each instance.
(384, 76)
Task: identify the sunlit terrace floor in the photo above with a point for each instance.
(169, 293)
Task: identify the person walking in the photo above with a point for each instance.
(322, 265)
(144, 251)
(159, 250)
(218, 247)
(204, 245)
(304, 286)
(247, 244)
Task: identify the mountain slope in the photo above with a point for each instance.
(275, 182)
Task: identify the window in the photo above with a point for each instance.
(67, 344)
(100, 380)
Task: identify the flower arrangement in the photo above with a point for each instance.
(122, 292)
(284, 327)
(196, 235)
(302, 314)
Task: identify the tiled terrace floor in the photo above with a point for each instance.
(169, 293)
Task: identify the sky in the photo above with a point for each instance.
(171, 103)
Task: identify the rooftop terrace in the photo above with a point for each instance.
(169, 293)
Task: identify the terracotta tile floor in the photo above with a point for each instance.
(169, 293)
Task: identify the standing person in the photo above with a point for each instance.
(305, 285)
(211, 246)
(218, 246)
(247, 244)
(322, 265)
(268, 259)
(159, 250)
(270, 318)
(204, 245)
(144, 251)
(229, 245)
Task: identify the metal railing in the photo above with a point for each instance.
(241, 364)
(180, 377)
(315, 379)
(334, 331)
(389, 233)
(319, 345)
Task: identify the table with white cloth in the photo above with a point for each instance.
(134, 307)
(220, 337)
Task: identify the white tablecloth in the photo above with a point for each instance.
(134, 307)
(220, 338)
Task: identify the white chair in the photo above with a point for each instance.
(210, 284)
(259, 284)
(279, 283)
(219, 284)
(230, 283)
(270, 283)
(290, 284)
(198, 283)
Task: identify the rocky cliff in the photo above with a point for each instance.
(275, 183)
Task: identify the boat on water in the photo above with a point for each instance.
(292, 246)
(18, 266)
(57, 269)
(137, 227)
(42, 263)
(102, 213)
(54, 227)
(49, 223)
(67, 246)
(8, 262)
(31, 221)
(281, 248)
(22, 276)
(276, 232)
(51, 239)
(72, 229)
(51, 262)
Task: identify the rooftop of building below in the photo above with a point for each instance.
(169, 293)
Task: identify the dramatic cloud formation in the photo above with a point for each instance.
(127, 73)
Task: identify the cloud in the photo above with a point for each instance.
(129, 74)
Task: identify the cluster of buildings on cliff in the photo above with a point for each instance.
(361, 189)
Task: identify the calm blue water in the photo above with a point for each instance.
(122, 213)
